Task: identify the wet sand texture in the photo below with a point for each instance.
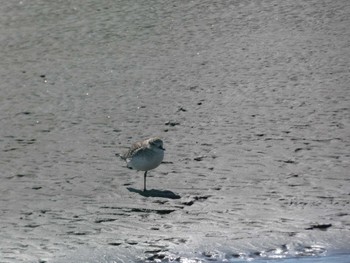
(250, 97)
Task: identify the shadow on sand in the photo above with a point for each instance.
(155, 193)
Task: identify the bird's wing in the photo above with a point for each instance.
(135, 149)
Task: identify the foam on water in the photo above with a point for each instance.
(310, 254)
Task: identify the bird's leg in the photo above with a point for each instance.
(144, 181)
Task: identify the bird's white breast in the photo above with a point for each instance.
(146, 161)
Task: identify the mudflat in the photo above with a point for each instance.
(251, 99)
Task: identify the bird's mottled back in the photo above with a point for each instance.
(132, 150)
(142, 145)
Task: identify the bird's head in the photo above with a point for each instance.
(156, 143)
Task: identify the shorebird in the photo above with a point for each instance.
(144, 156)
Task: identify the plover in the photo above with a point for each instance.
(144, 156)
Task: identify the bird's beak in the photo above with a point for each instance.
(162, 148)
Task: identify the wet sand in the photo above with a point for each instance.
(251, 99)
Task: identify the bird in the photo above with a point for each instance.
(144, 156)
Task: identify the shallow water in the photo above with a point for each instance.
(339, 258)
(110, 257)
